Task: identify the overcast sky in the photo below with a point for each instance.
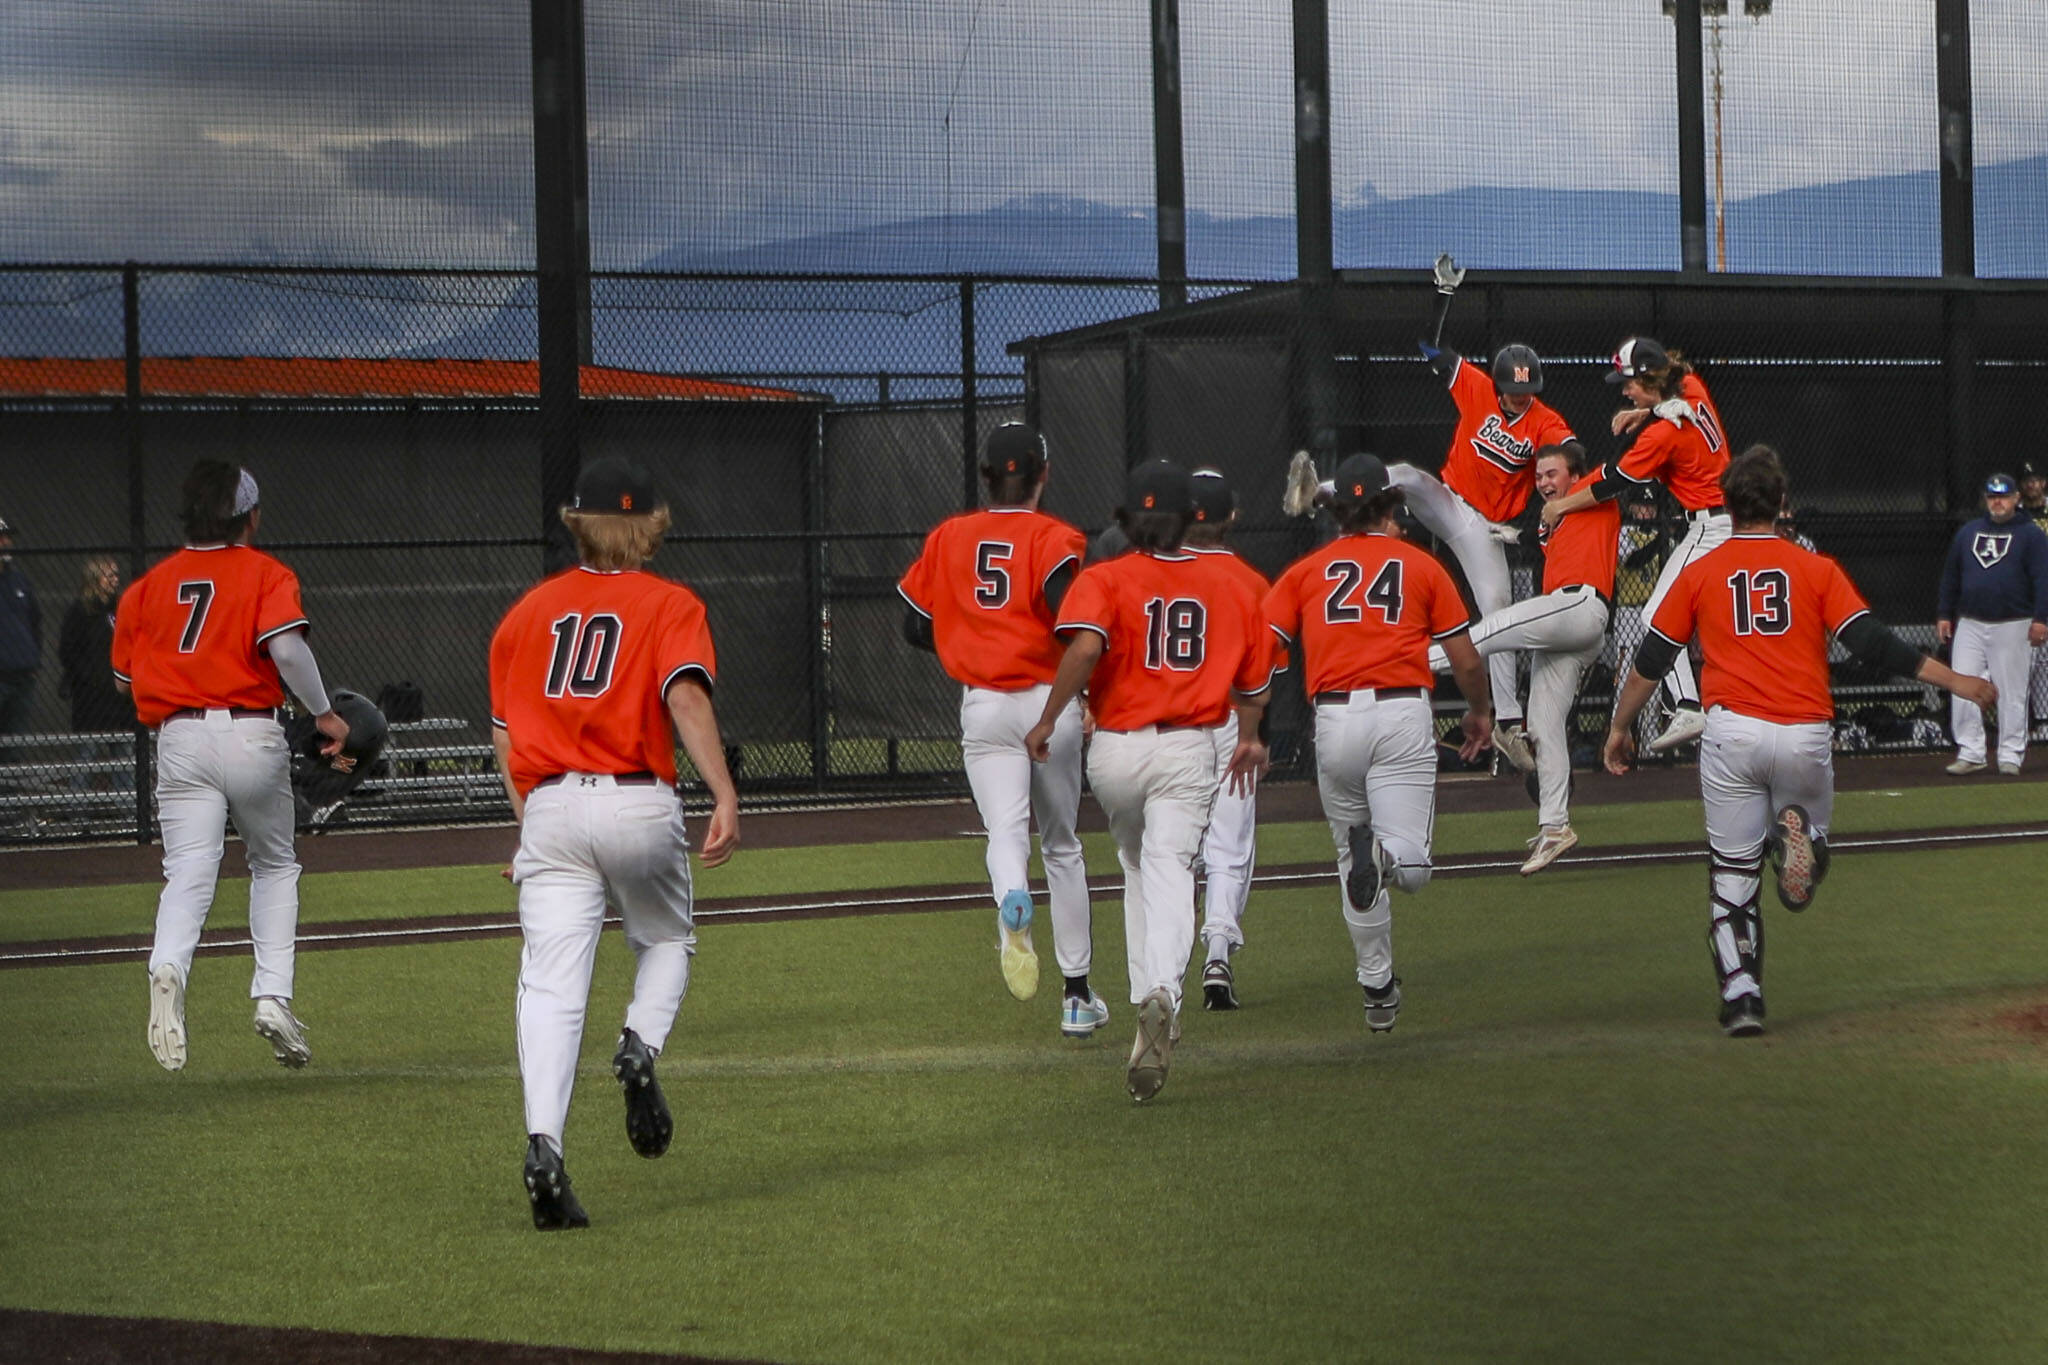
(388, 133)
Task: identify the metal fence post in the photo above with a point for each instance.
(970, 418)
(138, 538)
(815, 558)
(1692, 139)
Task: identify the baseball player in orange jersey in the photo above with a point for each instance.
(595, 673)
(1485, 482)
(1563, 630)
(983, 595)
(1360, 613)
(1765, 611)
(206, 642)
(1680, 442)
(1229, 845)
(1166, 642)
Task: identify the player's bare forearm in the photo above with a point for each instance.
(1077, 666)
(1979, 690)
(1636, 691)
(696, 722)
(1470, 672)
(501, 744)
(121, 686)
(336, 730)
(1251, 760)
(1557, 509)
(1627, 420)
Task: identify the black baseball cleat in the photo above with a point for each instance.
(1218, 986)
(1369, 866)
(648, 1125)
(1743, 1017)
(547, 1188)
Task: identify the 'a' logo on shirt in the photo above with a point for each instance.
(1990, 548)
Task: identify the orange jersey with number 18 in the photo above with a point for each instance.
(193, 632)
(1363, 610)
(1180, 633)
(581, 667)
(981, 581)
(1765, 610)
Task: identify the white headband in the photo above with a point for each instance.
(245, 494)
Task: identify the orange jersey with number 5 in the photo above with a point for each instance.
(194, 631)
(1765, 610)
(1363, 610)
(581, 667)
(1180, 632)
(981, 580)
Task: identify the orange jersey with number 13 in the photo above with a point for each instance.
(580, 669)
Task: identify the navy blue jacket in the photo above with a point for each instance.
(1996, 571)
(21, 622)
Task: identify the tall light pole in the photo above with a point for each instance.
(1715, 15)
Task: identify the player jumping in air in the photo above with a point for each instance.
(1765, 611)
(595, 673)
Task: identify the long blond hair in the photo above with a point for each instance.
(89, 579)
(616, 540)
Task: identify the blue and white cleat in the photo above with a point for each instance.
(1019, 958)
(1081, 1018)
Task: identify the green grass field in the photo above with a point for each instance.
(881, 1156)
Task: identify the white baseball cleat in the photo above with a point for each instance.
(1511, 741)
(1547, 845)
(167, 1017)
(1383, 1005)
(1687, 724)
(2008, 769)
(283, 1031)
(1081, 1018)
(1019, 958)
(1963, 767)
(1153, 1048)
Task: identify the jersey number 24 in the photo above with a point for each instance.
(1342, 608)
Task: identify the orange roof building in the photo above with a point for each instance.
(290, 377)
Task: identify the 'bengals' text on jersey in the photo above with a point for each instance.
(1765, 610)
(1363, 610)
(1492, 460)
(581, 667)
(194, 631)
(981, 580)
(1180, 633)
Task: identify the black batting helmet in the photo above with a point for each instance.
(1518, 369)
(318, 787)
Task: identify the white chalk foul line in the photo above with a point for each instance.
(1095, 885)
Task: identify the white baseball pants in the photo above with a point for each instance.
(1229, 852)
(1702, 533)
(209, 768)
(1376, 765)
(1997, 650)
(1563, 632)
(1010, 790)
(1469, 536)
(1156, 787)
(1749, 770)
(582, 838)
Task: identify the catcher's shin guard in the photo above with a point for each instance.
(1735, 938)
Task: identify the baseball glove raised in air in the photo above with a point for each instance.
(321, 785)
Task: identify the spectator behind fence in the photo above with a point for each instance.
(85, 648)
(1994, 607)
(2034, 494)
(21, 641)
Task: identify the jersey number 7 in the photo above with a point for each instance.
(197, 596)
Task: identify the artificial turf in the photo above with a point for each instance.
(881, 1156)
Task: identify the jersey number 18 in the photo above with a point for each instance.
(1174, 633)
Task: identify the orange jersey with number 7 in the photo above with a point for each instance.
(1180, 632)
(193, 632)
(581, 667)
(1765, 610)
(981, 580)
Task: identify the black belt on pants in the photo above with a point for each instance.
(1716, 510)
(1377, 693)
(234, 712)
(1160, 729)
(621, 779)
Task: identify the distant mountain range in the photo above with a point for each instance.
(1881, 226)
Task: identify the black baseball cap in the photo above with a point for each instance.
(1636, 357)
(1212, 499)
(1358, 478)
(1159, 486)
(2029, 470)
(613, 484)
(2000, 485)
(1014, 448)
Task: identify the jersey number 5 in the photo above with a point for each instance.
(1340, 609)
(197, 597)
(1174, 633)
(1763, 603)
(585, 650)
(992, 578)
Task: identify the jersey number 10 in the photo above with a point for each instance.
(585, 650)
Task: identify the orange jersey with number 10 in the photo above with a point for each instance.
(1180, 633)
(1765, 611)
(1363, 610)
(981, 581)
(192, 633)
(581, 667)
